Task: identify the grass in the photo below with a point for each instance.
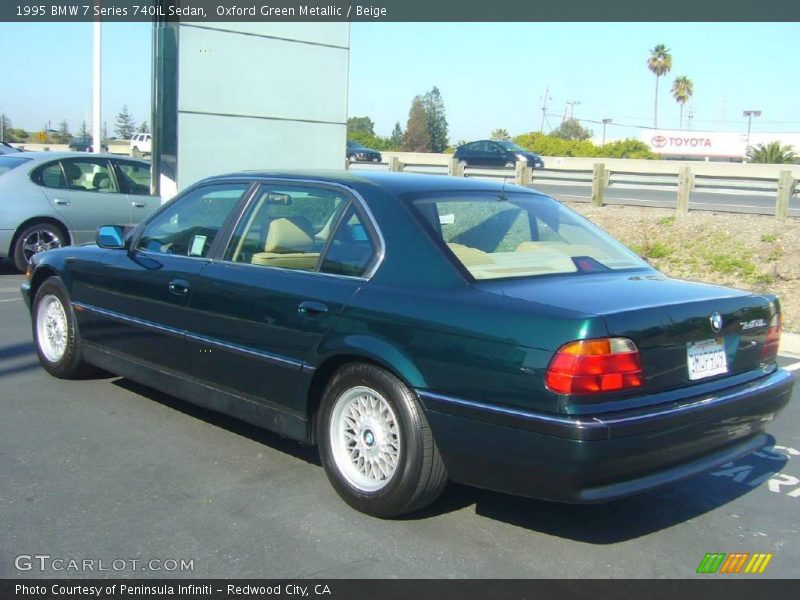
(769, 238)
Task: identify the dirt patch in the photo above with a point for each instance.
(751, 252)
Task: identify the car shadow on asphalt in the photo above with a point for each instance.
(619, 520)
(257, 434)
(7, 268)
(600, 524)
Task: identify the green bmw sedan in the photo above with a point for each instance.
(420, 329)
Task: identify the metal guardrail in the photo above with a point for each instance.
(683, 182)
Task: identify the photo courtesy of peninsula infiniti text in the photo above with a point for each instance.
(420, 330)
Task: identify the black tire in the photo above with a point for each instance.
(70, 364)
(136, 153)
(510, 164)
(419, 476)
(39, 237)
(463, 164)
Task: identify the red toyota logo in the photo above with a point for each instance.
(659, 141)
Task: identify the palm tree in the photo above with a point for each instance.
(772, 153)
(500, 134)
(682, 90)
(660, 63)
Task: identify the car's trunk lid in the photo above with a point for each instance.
(669, 320)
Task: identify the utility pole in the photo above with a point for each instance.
(750, 114)
(605, 122)
(689, 117)
(571, 104)
(3, 127)
(545, 98)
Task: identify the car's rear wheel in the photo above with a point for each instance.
(136, 152)
(55, 331)
(37, 237)
(376, 444)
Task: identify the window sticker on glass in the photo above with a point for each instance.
(447, 219)
(198, 244)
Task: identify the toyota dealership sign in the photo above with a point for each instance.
(711, 144)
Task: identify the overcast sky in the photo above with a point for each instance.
(490, 74)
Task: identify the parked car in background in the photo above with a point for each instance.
(84, 144)
(141, 143)
(494, 153)
(52, 199)
(358, 153)
(420, 329)
(6, 148)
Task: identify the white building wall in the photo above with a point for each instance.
(260, 96)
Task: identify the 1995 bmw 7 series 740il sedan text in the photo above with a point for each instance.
(420, 329)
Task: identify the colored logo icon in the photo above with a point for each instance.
(734, 563)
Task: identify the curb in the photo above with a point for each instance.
(790, 345)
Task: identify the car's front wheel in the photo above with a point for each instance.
(55, 331)
(509, 164)
(376, 444)
(36, 238)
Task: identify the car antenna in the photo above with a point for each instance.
(502, 196)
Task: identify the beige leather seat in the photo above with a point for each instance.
(287, 246)
(470, 256)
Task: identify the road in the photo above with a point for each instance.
(107, 469)
(739, 201)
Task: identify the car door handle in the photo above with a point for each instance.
(138, 204)
(61, 202)
(309, 308)
(179, 287)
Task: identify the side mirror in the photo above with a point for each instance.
(111, 236)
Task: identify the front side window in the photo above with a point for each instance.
(286, 226)
(520, 235)
(89, 176)
(189, 225)
(134, 177)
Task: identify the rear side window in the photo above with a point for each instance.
(10, 162)
(351, 250)
(520, 235)
(51, 176)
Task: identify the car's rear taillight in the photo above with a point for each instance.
(770, 348)
(595, 366)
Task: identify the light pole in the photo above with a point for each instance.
(750, 114)
(97, 141)
(605, 122)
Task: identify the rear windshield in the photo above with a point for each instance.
(521, 235)
(9, 162)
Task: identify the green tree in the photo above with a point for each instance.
(360, 125)
(143, 127)
(436, 119)
(660, 63)
(571, 129)
(63, 136)
(417, 137)
(83, 131)
(397, 136)
(772, 153)
(7, 130)
(500, 134)
(126, 125)
(682, 90)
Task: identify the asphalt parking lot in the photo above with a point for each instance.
(108, 470)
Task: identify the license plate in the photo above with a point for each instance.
(706, 358)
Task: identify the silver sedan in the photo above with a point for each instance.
(53, 199)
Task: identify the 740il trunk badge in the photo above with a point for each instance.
(716, 321)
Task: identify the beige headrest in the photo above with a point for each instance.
(284, 236)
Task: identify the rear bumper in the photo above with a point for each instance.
(603, 457)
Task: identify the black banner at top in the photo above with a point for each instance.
(200, 11)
